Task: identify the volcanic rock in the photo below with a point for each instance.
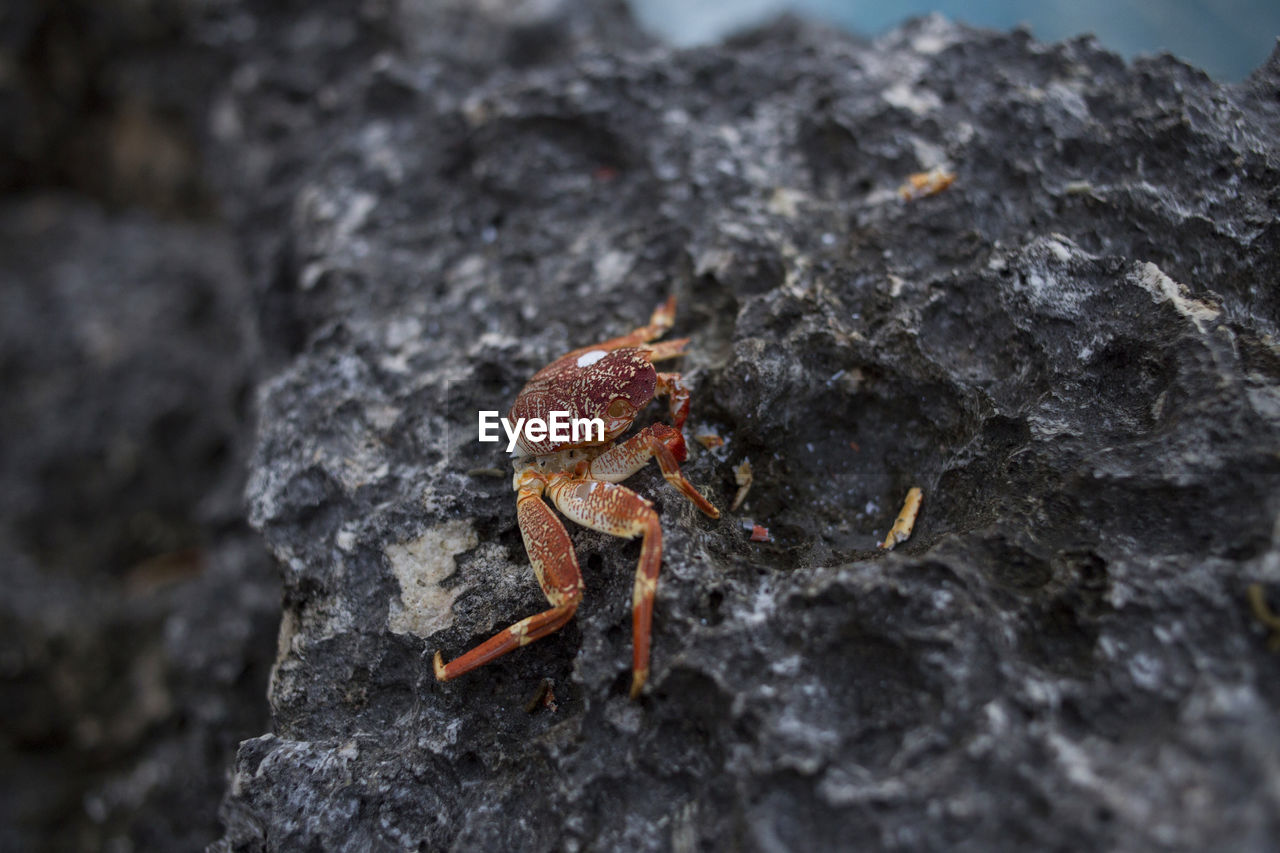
(1071, 349)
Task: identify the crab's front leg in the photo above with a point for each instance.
(551, 553)
(657, 441)
(618, 511)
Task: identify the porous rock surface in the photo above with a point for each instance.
(1071, 350)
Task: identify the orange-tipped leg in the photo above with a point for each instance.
(618, 511)
(677, 393)
(662, 319)
(657, 441)
(663, 350)
(551, 553)
(664, 316)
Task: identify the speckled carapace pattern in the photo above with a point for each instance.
(583, 384)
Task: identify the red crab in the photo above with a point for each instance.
(614, 381)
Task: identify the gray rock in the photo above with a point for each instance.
(1071, 350)
(139, 610)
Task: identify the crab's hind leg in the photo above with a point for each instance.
(551, 553)
(618, 511)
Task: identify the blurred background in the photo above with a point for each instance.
(1227, 38)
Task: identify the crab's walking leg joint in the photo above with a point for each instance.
(659, 442)
(618, 511)
(551, 553)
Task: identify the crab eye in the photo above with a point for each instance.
(619, 408)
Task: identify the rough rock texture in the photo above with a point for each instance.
(138, 610)
(1071, 350)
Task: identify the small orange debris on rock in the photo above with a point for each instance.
(760, 533)
(906, 519)
(709, 440)
(922, 184)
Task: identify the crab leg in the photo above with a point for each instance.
(677, 393)
(665, 349)
(664, 316)
(551, 553)
(657, 441)
(618, 511)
